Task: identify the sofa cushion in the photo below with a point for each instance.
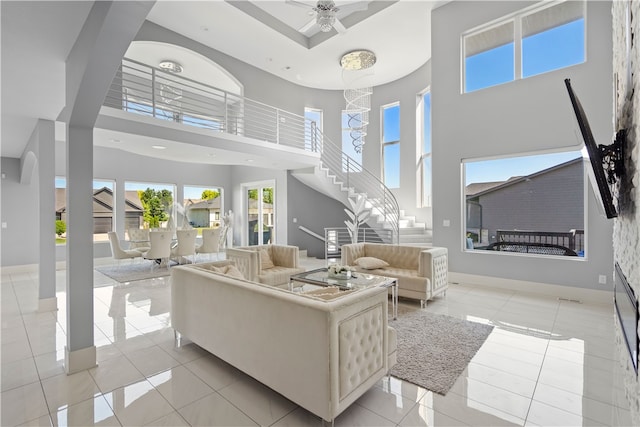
(265, 260)
(228, 270)
(371, 263)
(277, 275)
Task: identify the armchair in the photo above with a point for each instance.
(269, 264)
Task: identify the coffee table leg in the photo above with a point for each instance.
(395, 300)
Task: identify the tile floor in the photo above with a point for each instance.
(547, 362)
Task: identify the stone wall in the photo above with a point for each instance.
(626, 230)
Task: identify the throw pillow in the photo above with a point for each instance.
(265, 260)
(371, 263)
(232, 271)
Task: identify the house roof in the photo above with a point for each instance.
(102, 200)
(489, 187)
(202, 203)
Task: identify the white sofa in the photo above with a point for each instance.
(321, 354)
(285, 259)
(422, 273)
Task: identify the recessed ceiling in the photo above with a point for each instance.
(266, 37)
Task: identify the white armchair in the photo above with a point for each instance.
(269, 264)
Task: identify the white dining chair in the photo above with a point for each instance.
(117, 252)
(210, 242)
(160, 247)
(186, 244)
(138, 239)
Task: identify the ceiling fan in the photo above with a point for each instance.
(325, 12)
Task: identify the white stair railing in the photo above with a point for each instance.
(357, 179)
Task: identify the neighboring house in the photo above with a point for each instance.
(551, 200)
(203, 213)
(103, 209)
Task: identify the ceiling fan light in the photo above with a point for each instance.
(325, 20)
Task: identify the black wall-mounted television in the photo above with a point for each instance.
(606, 160)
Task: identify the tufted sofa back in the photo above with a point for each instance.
(396, 255)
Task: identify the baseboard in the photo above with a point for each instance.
(546, 289)
(79, 360)
(47, 304)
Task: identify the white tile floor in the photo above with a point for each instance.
(547, 362)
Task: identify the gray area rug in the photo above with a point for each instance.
(132, 272)
(433, 349)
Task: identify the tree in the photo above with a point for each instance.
(155, 205)
(267, 195)
(210, 194)
(61, 227)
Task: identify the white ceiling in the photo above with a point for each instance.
(37, 37)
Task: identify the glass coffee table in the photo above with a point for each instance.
(358, 280)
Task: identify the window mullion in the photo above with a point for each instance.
(517, 47)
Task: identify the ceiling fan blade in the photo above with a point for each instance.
(298, 3)
(341, 29)
(354, 7)
(306, 27)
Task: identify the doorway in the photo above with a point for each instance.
(260, 213)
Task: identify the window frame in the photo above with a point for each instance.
(569, 151)
(384, 144)
(426, 200)
(517, 18)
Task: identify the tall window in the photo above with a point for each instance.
(424, 111)
(391, 145)
(103, 209)
(530, 42)
(526, 204)
(349, 136)
(312, 115)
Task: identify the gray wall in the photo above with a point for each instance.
(20, 212)
(523, 116)
(312, 210)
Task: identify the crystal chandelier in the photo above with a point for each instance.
(356, 70)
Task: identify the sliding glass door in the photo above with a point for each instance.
(260, 224)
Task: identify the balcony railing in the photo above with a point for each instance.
(138, 88)
(149, 91)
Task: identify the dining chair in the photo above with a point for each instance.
(117, 252)
(210, 241)
(186, 244)
(160, 247)
(138, 239)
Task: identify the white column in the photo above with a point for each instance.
(46, 188)
(80, 352)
